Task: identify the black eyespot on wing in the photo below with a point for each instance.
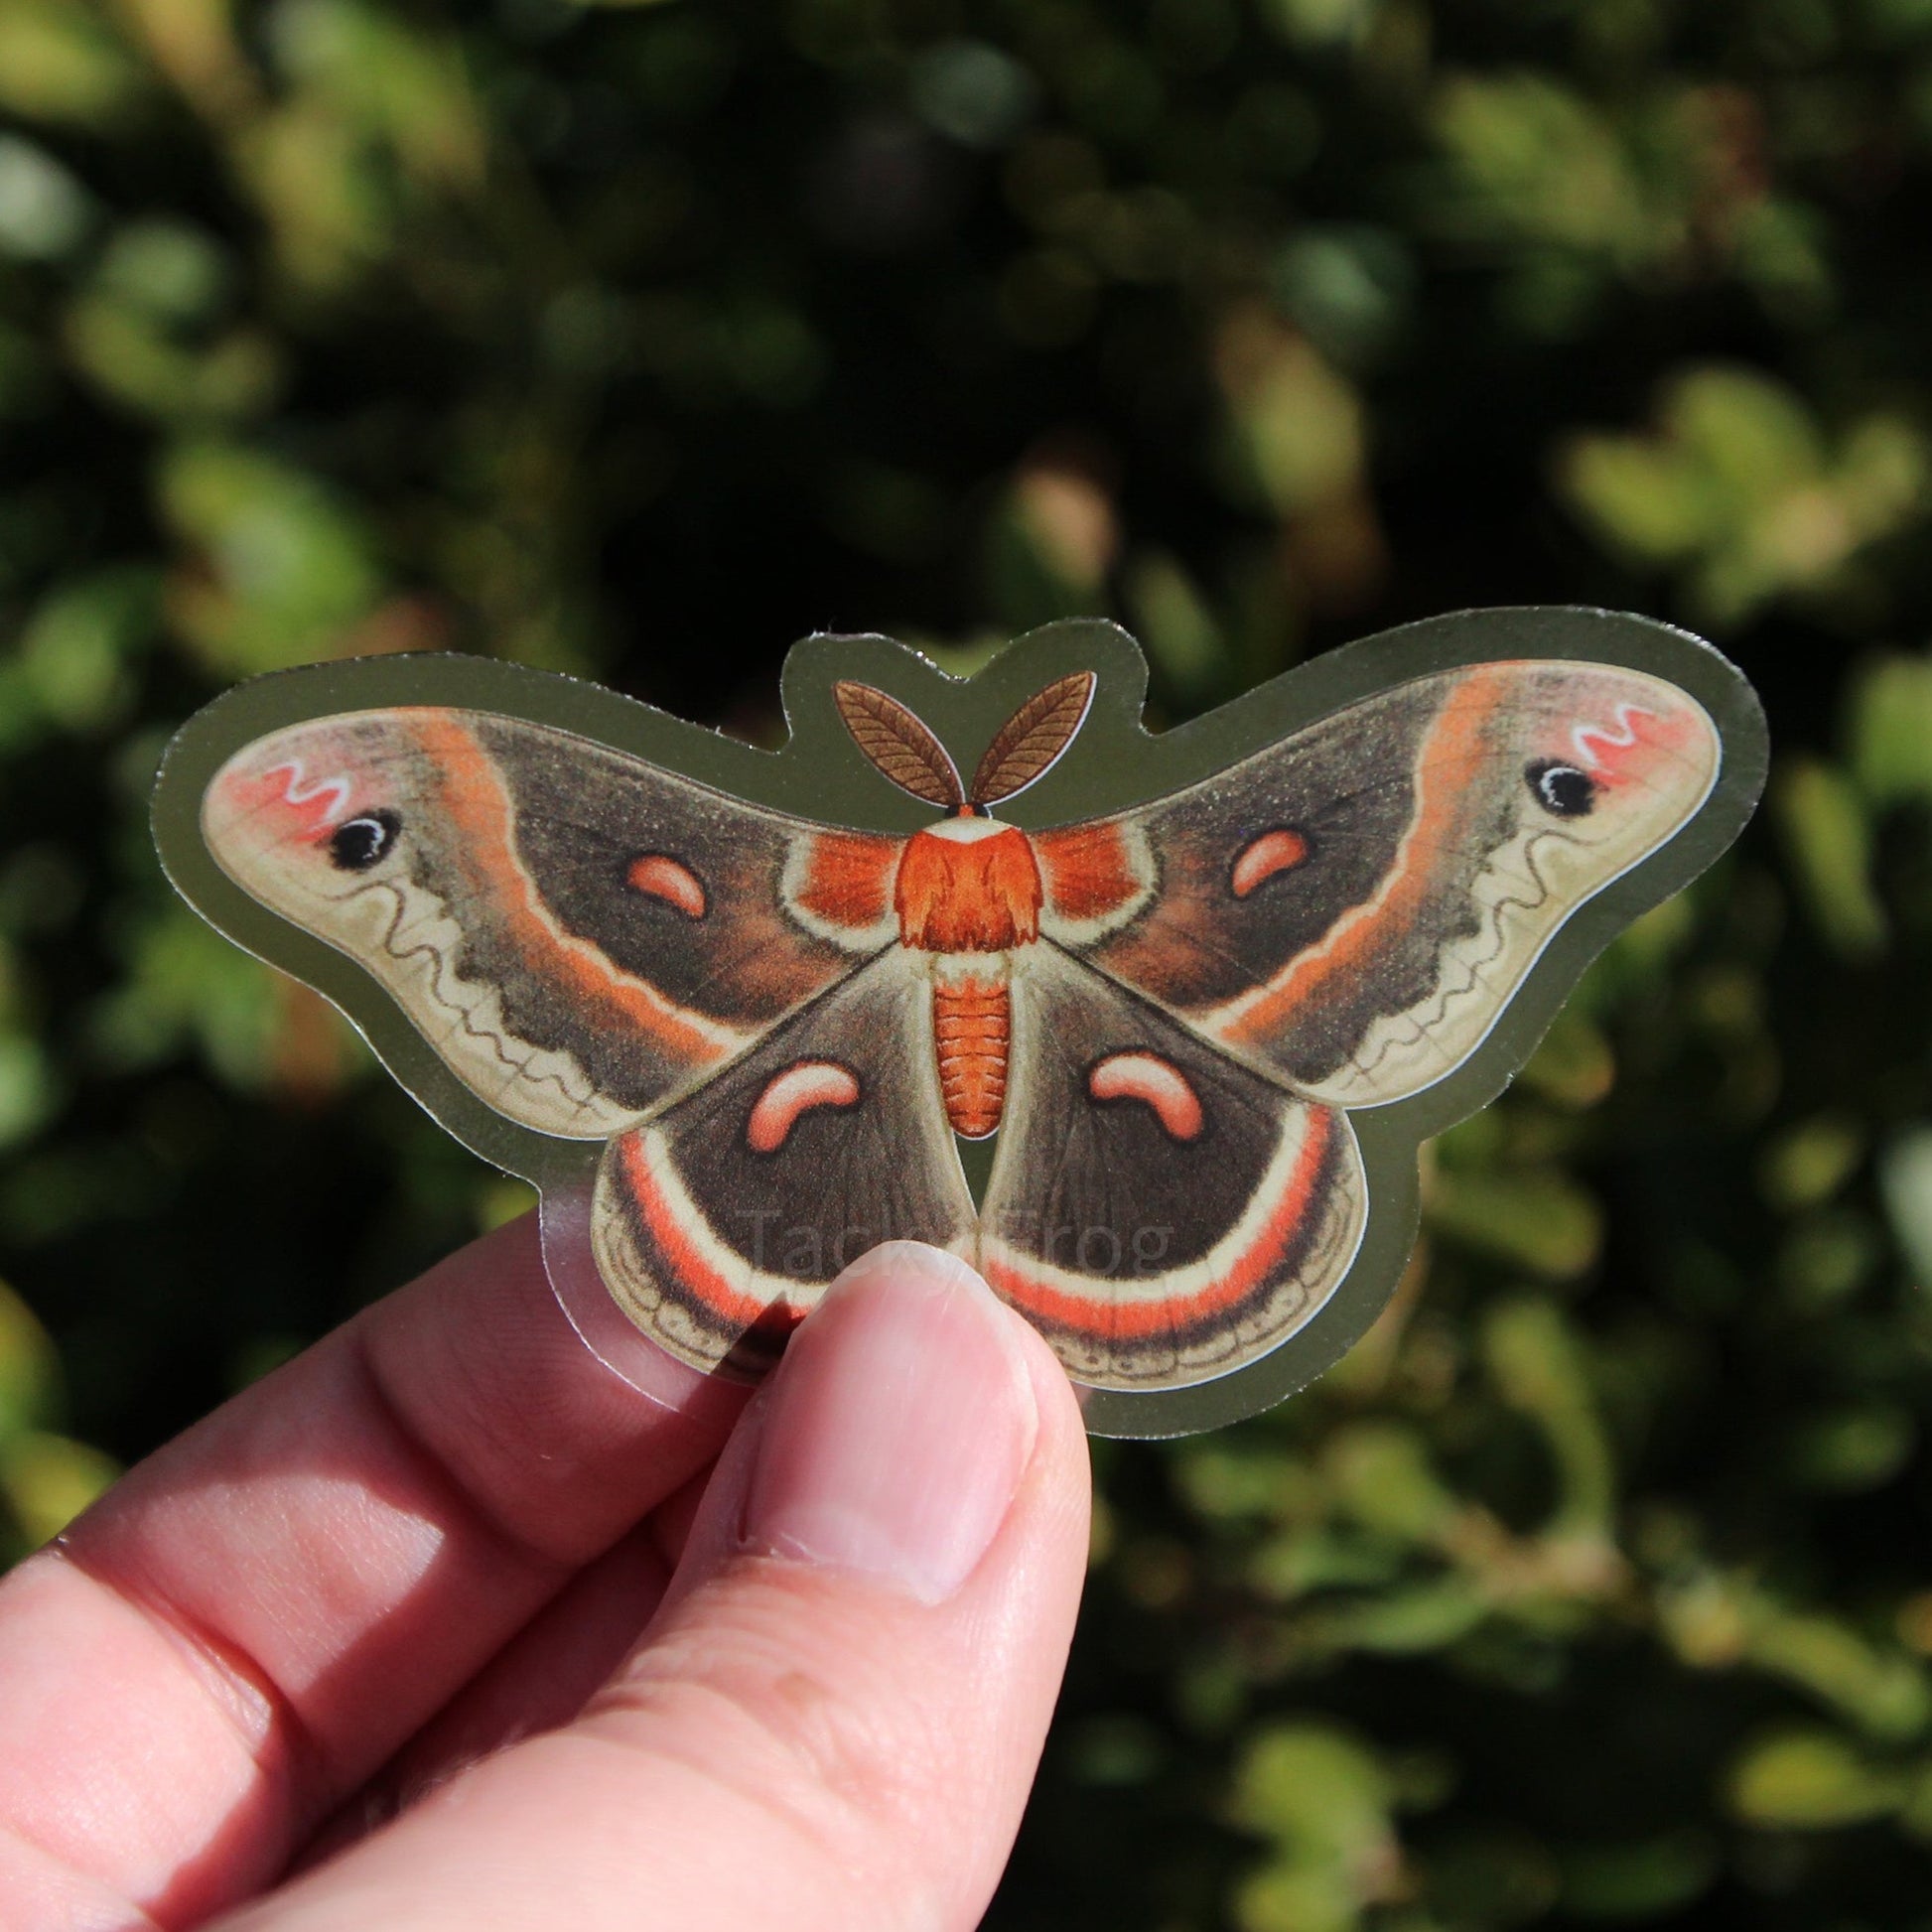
(1560, 789)
(360, 843)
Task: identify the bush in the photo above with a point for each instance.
(633, 339)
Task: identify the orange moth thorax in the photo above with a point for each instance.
(967, 885)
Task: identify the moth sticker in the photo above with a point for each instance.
(774, 1032)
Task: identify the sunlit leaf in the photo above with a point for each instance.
(1830, 845)
(1808, 1780)
(1538, 1221)
(48, 1481)
(61, 62)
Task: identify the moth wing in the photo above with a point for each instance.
(720, 1219)
(1354, 907)
(1162, 1213)
(576, 931)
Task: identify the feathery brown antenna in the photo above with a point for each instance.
(896, 741)
(1025, 747)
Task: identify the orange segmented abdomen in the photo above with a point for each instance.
(970, 1022)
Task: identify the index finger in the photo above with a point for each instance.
(254, 1618)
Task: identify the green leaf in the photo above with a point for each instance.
(1809, 1163)
(1296, 1898)
(1409, 1620)
(48, 1481)
(30, 1369)
(1539, 1368)
(1299, 425)
(1382, 1476)
(45, 212)
(1808, 1782)
(76, 648)
(1175, 622)
(1891, 730)
(1574, 1066)
(1303, 1776)
(1542, 1222)
(1643, 1878)
(1905, 1182)
(292, 567)
(1884, 1693)
(61, 62)
(1742, 485)
(1848, 1451)
(1829, 846)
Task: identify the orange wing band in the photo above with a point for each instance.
(1448, 790)
(476, 803)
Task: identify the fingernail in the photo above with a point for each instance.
(897, 1427)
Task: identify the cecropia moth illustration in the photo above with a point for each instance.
(773, 1029)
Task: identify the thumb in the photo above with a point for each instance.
(835, 1716)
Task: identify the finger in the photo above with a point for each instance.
(833, 1722)
(252, 1620)
(671, 1520)
(541, 1679)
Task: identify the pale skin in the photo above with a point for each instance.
(445, 1624)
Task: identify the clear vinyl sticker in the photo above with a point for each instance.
(1147, 1027)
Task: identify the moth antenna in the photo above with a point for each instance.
(1030, 744)
(899, 743)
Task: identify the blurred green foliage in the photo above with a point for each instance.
(634, 339)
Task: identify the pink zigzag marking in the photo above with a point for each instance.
(301, 790)
(1618, 737)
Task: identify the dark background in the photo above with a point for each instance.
(637, 340)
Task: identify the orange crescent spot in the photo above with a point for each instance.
(1260, 861)
(799, 1089)
(661, 877)
(1157, 1082)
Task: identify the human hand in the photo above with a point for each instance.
(404, 1583)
